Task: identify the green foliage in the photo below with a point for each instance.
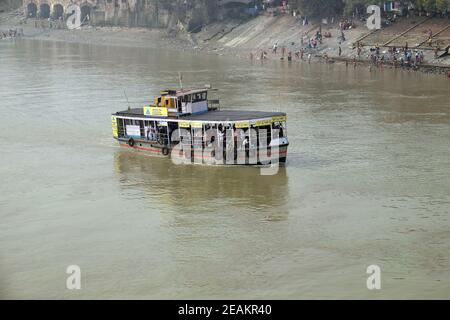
(442, 5)
(320, 8)
(351, 5)
(324, 8)
(427, 5)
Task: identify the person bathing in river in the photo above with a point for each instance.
(436, 52)
(275, 47)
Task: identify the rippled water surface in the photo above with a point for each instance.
(367, 182)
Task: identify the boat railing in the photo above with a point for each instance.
(213, 104)
(159, 138)
(198, 141)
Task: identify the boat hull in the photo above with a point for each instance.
(254, 157)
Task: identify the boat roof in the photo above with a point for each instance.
(210, 116)
(185, 92)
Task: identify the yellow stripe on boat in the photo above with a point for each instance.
(278, 118)
(114, 126)
(261, 123)
(184, 124)
(242, 124)
(196, 124)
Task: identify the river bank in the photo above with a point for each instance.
(252, 39)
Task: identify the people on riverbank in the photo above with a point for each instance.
(359, 50)
(263, 55)
(49, 23)
(11, 33)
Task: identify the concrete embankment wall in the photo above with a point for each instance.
(261, 33)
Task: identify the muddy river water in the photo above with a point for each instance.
(367, 181)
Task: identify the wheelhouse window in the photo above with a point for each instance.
(186, 99)
(200, 96)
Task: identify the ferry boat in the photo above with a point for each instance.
(186, 126)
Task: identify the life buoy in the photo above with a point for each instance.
(165, 151)
(131, 142)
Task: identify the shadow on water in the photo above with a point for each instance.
(193, 186)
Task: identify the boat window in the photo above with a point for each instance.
(150, 130)
(264, 131)
(208, 134)
(195, 98)
(201, 96)
(186, 98)
(162, 135)
(121, 127)
(253, 136)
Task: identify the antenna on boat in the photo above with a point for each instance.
(126, 97)
(180, 78)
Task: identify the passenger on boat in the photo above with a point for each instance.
(245, 143)
(278, 128)
(151, 133)
(220, 137)
(242, 134)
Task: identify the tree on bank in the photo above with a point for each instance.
(442, 5)
(320, 8)
(356, 6)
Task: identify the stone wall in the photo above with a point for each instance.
(7, 5)
(133, 13)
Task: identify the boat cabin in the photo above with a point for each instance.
(177, 103)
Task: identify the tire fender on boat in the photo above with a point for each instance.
(165, 151)
(131, 142)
